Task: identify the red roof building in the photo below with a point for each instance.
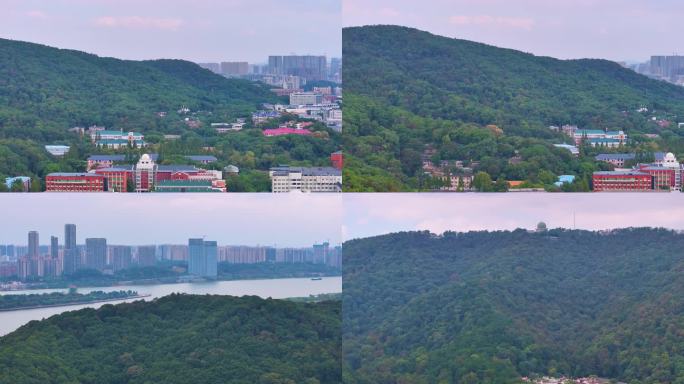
(337, 160)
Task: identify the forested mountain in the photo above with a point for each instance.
(492, 307)
(180, 339)
(44, 91)
(406, 89)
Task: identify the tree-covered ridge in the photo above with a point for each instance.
(407, 89)
(491, 307)
(180, 339)
(44, 91)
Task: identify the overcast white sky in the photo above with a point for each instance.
(135, 219)
(196, 30)
(373, 214)
(630, 30)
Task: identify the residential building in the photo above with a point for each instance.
(54, 247)
(214, 67)
(310, 68)
(75, 182)
(202, 258)
(71, 257)
(96, 253)
(305, 179)
(234, 68)
(121, 257)
(33, 244)
(147, 255)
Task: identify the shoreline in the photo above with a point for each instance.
(74, 303)
(149, 282)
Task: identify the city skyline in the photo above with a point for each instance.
(634, 31)
(368, 215)
(198, 31)
(134, 219)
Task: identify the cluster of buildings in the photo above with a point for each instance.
(667, 68)
(36, 262)
(321, 104)
(453, 173)
(593, 137)
(281, 69)
(664, 174)
(568, 380)
(308, 179)
(107, 174)
(104, 138)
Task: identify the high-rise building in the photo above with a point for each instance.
(54, 247)
(33, 244)
(234, 68)
(310, 68)
(335, 70)
(72, 256)
(147, 255)
(202, 258)
(214, 67)
(320, 253)
(96, 253)
(121, 257)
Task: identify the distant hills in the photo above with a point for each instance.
(180, 339)
(492, 307)
(408, 88)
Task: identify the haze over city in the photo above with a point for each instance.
(290, 220)
(368, 215)
(201, 30)
(565, 29)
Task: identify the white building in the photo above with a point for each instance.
(57, 150)
(305, 98)
(316, 179)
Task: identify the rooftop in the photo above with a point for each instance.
(615, 156)
(106, 158)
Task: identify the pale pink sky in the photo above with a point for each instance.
(196, 30)
(373, 214)
(128, 218)
(631, 30)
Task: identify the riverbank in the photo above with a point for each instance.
(74, 303)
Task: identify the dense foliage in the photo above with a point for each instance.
(406, 89)
(45, 91)
(490, 307)
(13, 302)
(180, 339)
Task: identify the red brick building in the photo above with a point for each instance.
(663, 177)
(627, 181)
(75, 182)
(118, 178)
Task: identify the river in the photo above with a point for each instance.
(275, 288)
